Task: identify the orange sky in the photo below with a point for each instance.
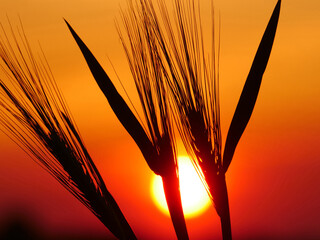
(273, 181)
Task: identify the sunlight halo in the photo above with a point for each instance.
(195, 199)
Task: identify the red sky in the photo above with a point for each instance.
(273, 181)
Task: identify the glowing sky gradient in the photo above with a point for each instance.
(273, 181)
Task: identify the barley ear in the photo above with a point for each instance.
(251, 89)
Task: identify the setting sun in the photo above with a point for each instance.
(195, 199)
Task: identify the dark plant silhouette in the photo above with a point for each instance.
(35, 115)
(156, 141)
(175, 82)
(178, 46)
(172, 53)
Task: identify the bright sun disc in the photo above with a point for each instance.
(195, 199)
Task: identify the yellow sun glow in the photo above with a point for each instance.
(194, 197)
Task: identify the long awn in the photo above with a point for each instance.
(35, 115)
(156, 141)
(167, 60)
(193, 81)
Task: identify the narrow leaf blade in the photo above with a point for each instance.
(117, 103)
(173, 197)
(250, 90)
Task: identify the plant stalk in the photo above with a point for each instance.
(171, 188)
(219, 193)
(226, 226)
(224, 211)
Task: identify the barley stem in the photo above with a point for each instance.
(172, 193)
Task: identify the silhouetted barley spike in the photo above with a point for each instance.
(156, 141)
(193, 81)
(146, 67)
(35, 116)
(194, 87)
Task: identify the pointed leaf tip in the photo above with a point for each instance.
(251, 88)
(117, 103)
